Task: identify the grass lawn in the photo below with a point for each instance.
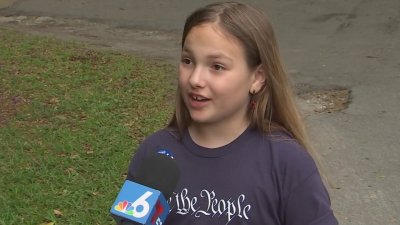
(70, 120)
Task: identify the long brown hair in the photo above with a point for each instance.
(275, 107)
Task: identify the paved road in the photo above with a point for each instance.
(330, 43)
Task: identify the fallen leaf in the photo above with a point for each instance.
(48, 223)
(54, 101)
(70, 170)
(61, 155)
(57, 213)
(74, 156)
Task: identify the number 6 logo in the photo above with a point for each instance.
(141, 201)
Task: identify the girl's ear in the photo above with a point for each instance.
(259, 79)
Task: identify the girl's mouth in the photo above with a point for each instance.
(199, 98)
(198, 101)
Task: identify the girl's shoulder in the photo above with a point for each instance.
(286, 147)
(162, 135)
(289, 156)
(165, 138)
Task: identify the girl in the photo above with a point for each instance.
(236, 133)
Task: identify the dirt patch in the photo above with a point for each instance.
(328, 100)
(9, 106)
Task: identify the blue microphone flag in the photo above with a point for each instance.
(141, 204)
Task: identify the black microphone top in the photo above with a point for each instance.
(159, 172)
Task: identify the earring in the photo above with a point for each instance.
(253, 102)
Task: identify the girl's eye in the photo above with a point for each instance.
(218, 67)
(186, 61)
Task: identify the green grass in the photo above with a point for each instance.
(70, 120)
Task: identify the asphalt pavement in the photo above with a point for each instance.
(328, 46)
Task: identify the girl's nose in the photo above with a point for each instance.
(197, 77)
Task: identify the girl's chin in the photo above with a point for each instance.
(200, 119)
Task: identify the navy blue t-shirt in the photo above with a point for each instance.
(256, 179)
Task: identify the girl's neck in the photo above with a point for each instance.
(216, 135)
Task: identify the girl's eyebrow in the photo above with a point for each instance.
(219, 55)
(216, 55)
(186, 50)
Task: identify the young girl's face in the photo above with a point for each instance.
(214, 78)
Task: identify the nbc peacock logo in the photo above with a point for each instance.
(138, 209)
(125, 207)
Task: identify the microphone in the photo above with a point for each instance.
(144, 200)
